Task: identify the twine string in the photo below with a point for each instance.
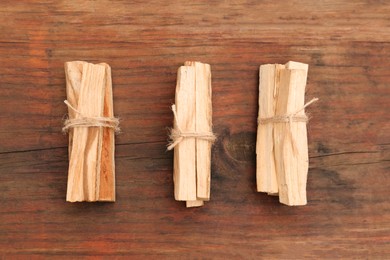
(83, 121)
(289, 118)
(177, 134)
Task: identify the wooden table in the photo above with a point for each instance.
(346, 44)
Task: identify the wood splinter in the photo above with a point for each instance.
(192, 135)
(282, 151)
(91, 126)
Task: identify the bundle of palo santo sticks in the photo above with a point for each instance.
(282, 152)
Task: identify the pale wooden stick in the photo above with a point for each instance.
(185, 153)
(194, 203)
(107, 162)
(91, 149)
(265, 173)
(203, 124)
(290, 139)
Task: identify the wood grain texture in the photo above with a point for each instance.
(345, 43)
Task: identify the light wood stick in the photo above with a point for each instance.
(107, 162)
(194, 203)
(203, 125)
(290, 139)
(91, 149)
(265, 172)
(185, 152)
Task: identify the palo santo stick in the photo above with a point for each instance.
(91, 128)
(184, 176)
(192, 135)
(291, 151)
(107, 162)
(194, 203)
(265, 172)
(203, 125)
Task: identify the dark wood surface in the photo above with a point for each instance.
(346, 44)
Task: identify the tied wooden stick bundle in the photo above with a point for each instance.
(91, 126)
(282, 151)
(192, 137)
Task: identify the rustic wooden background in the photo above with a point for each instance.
(346, 44)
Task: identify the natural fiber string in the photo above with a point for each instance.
(177, 134)
(83, 121)
(289, 118)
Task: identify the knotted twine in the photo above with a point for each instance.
(289, 118)
(83, 121)
(177, 134)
